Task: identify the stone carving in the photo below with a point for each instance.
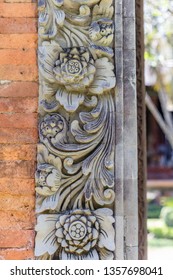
(47, 179)
(78, 234)
(75, 164)
(101, 32)
(74, 74)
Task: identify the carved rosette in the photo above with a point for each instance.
(75, 164)
(77, 234)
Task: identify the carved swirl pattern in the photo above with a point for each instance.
(75, 164)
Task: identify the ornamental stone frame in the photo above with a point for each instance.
(87, 164)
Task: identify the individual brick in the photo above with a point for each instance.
(19, 72)
(16, 254)
(18, 136)
(18, 10)
(18, 25)
(18, 57)
(18, 120)
(17, 152)
(18, 41)
(19, 1)
(16, 238)
(18, 89)
(17, 203)
(18, 105)
(17, 186)
(17, 219)
(17, 169)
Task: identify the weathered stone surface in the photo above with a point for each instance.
(87, 149)
(75, 167)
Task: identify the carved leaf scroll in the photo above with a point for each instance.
(75, 163)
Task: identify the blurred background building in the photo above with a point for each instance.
(158, 17)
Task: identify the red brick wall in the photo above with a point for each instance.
(18, 127)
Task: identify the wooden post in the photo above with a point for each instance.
(141, 112)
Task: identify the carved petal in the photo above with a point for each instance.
(60, 17)
(44, 191)
(104, 77)
(106, 41)
(45, 238)
(70, 101)
(47, 55)
(45, 156)
(59, 233)
(93, 255)
(104, 9)
(58, 3)
(48, 203)
(54, 178)
(49, 89)
(106, 255)
(107, 235)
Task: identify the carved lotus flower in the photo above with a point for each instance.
(74, 73)
(77, 234)
(75, 69)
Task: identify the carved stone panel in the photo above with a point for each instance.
(86, 177)
(75, 164)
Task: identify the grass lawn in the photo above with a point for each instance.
(159, 242)
(159, 234)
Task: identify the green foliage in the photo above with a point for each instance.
(160, 230)
(167, 201)
(158, 17)
(158, 29)
(160, 242)
(163, 232)
(153, 211)
(167, 215)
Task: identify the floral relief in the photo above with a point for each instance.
(75, 69)
(101, 32)
(76, 74)
(52, 125)
(76, 234)
(75, 175)
(48, 179)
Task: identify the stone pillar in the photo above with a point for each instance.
(130, 132)
(87, 165)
